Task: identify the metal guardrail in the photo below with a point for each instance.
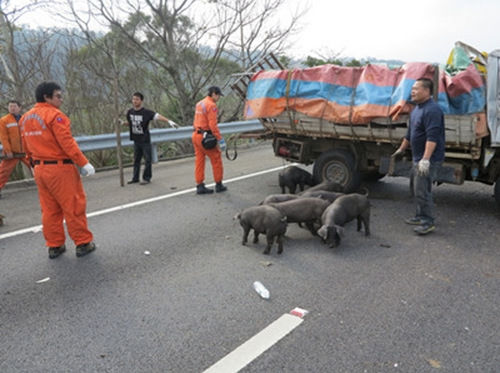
(160, 135)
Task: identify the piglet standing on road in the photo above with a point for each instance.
(292, 176)
(276, 198)
(343, 210)
(303, 210)
(326, 185)
(323, 194)
(263, 219)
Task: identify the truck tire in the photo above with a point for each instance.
(338, 166)
(497, 192)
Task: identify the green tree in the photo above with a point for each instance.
(354, 63)
(189, 41)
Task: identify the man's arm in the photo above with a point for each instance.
(433, 129)
(61, 128)
(4, 139)
(430, 146)
(212, 121)
(161, 118)
(404, 145)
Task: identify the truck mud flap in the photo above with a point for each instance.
(451, 173)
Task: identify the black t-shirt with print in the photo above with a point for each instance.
(139, 124)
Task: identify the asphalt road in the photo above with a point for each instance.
(390, 302)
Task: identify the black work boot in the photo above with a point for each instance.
(85, 249)
(202, 189)
(55, 251)
(220, 188)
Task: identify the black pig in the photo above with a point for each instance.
(329, 186)
(323, 194)
(292, 176)
(342, 211)
(277, 198)
(263, 219)
(303, 210)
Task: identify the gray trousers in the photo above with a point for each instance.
(422, 191)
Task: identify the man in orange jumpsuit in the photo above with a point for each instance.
(205, 120)
(10, 137)
(49, 144)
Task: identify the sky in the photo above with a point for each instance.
(423, 30)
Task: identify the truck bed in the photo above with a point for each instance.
(461, 131)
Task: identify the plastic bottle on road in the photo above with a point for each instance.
(261, 290)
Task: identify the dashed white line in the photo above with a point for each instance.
(255, 346)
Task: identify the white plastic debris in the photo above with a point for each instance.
(261, 290)
(147, 252)
(43, 280)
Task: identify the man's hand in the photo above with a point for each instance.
(173, 124)
(87, 170)
(123, 122)
(9, 155)
(397, 153)
(423, 167)
(222, 144)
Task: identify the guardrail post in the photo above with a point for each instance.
(154, 153)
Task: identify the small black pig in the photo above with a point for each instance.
(329, 186)
(292, 176)
(323, 194)
(263, 219)
(277, 198)
(303, 210)
(342, 211)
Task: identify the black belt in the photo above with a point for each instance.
(199, 130)
(65, 161)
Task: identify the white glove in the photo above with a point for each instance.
(423, 167)
(222, 144)
(87, 170)
(173, 124)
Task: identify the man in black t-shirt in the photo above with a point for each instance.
(138, 119)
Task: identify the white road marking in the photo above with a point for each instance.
(38, 228)
(255, 346)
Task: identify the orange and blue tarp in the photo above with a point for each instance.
(357, 95)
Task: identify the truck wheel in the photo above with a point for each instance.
(338, 166)
(497, 192)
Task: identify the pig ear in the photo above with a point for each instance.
(340, 230)
(323, 232)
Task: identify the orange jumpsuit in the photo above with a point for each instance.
(10, 137)
(47, 140)
(205, 118)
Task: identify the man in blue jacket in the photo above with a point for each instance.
(427, 140)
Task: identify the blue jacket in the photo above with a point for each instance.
(426, 124)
